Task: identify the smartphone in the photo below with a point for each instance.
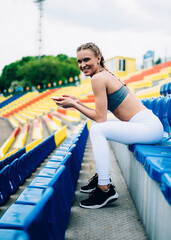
(56, 98)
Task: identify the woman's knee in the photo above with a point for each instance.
(95, 130)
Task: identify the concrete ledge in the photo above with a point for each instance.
(153, 209)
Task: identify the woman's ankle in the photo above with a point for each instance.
(104, 187)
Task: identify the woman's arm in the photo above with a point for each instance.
(99, 114)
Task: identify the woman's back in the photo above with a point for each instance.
(129, 106)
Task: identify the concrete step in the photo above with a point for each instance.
(118, 220)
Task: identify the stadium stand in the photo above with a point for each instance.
(47, 198)
(146, 169)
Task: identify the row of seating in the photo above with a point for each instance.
(14, 175)
(11, 156)
(29, 99)
(165, 89)
(147, 171)
(42, 210)
(9, 100)
(161, 107)
(7, 144)
(156, 72)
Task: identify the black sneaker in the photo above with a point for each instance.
(98, 198)
(93, 182)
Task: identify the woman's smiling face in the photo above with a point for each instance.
(88, 62)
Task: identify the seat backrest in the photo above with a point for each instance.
(155, 105)
(169, 112)
(24, 170)
(164, 113)
(5, 185)
(14, 175)
(169, 88)
(34, 219)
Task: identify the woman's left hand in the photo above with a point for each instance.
(65, 102)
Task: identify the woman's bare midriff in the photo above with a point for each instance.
(128, 108)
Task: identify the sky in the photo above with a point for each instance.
(127, 28)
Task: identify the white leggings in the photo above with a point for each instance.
(144, 128)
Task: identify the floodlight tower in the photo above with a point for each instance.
(40, 6)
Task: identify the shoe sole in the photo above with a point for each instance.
(87, 191)
(109, 200)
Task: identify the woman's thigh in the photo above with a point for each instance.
(125, 132)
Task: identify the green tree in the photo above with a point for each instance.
(32, 71)
(158, 61)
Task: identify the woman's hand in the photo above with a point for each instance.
(65, 102)
(70, 96)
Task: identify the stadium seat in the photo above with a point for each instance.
(165, 186)
(10, 234)
(163, 113)
(142, 151)
(5, 185)
(59, 205)
(161, 89)
(67, 161)
(169, 88)
(15, 178)
(33, 219)
(156, 166)
(11, 158)
(55, 214)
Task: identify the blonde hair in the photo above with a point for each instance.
(95, 49)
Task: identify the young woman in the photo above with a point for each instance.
(134, 122)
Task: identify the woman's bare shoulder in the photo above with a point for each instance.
(103, 76)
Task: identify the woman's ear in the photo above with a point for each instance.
(98, 59)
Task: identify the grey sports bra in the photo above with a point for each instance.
(116, 98)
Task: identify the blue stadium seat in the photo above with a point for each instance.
(60, 209)
(24, 167)
(169, 88)
(163, 113)
(67, 162)
(43, 182)
(33, 219)
(5, 185)
(10, 234)
(55, 212)
(169, 112)
(14, 175)
(155, 105)
(165, 89)
(11, 158)
(67, 146)
(30, 196)
(165, 186)
(161, 89)
(149, 103)
(143, 151)
(156, 166)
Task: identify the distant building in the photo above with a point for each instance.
(148, 59)
(121, 66)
